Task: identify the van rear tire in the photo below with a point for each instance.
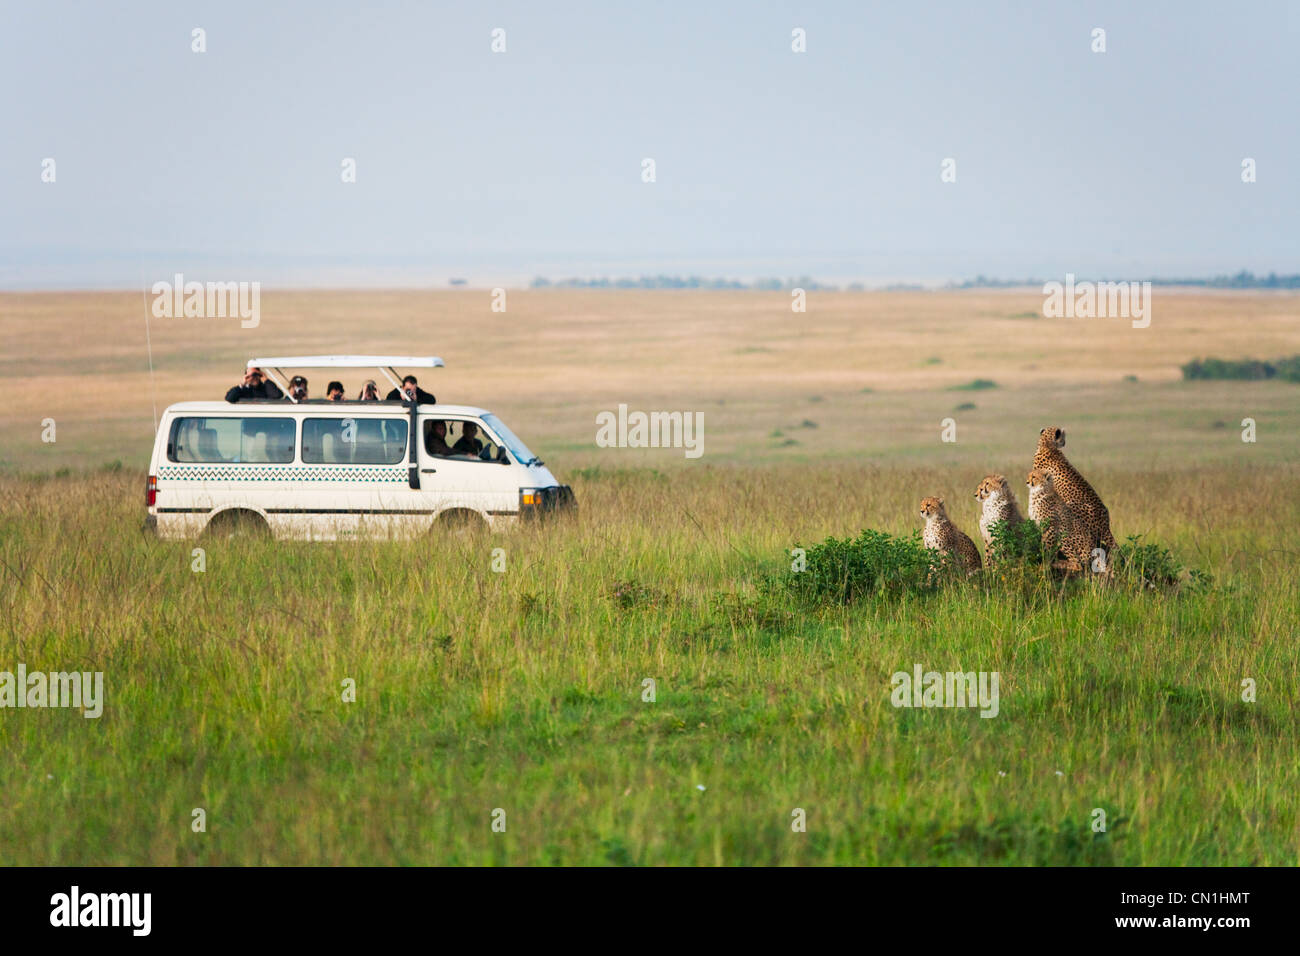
(237, 524)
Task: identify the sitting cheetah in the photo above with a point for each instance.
(999, 505)
(1064, 529)
(943, 536)
(1074, 489)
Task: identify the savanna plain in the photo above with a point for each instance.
(521, 697)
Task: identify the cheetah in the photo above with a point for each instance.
(1074, 489)
(1064, 529)
(999, 505)
(943, 536)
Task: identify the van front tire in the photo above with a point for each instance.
(460, 524)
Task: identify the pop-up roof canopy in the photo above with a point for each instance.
(385, 363)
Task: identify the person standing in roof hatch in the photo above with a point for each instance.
(256, 385)
(298, 388)
(411, 391)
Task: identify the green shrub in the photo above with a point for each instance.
(979, 385)
(1288, 369)
(1019, 544)
(1021, 565)
(618, 476)
(1146, 565)
(1243, 370)
(880, 565)
(1149, 567)
(840, 571)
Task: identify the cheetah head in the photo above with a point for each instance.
(993, 486)
(1040, 480)
(1051, 438)
(932, 508)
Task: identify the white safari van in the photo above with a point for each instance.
(324, 470)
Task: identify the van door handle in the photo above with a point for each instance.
(428, 471)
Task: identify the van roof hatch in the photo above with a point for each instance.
(388, 364)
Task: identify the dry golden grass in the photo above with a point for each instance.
(557, 357)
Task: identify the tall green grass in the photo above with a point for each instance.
(524, 690)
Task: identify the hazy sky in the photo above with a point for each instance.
(498, 167)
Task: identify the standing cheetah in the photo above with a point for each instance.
(943, 536)
(1074, 489)
(1064, 529)
(999, 505)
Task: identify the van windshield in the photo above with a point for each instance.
(511, 440)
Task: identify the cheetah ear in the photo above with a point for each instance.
(940, 501)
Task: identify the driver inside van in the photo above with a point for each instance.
(468, 444)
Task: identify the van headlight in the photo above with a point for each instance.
(533, 502)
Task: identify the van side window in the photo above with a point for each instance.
(268, 440)
(231, 440)
(353, 441)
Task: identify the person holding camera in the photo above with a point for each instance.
(256, 385)
(298, 388)
(411, 392)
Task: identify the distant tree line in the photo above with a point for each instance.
(1242, 280)
(684, 282)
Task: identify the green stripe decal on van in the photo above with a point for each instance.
(252, 472)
